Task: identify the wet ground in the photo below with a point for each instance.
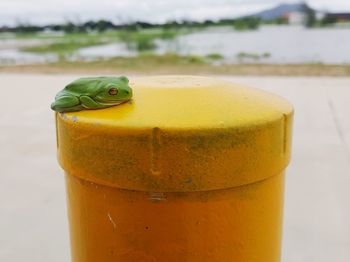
(33, 220)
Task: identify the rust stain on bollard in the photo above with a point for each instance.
(192, 170)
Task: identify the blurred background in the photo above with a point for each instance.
(299, 50)
(226, 36)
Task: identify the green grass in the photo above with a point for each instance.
(143, 41)
(144, 62)
(65, 44)
(214, 57)
(148, 61)
(175, 64)
(66, 47)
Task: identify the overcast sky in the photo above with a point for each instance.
(51, 11)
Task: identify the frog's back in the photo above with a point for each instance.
(82, 86)
(86, 86)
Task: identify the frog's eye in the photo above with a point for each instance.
(113, 91)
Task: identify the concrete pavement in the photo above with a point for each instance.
(33, 220)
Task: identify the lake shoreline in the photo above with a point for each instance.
(179, 67)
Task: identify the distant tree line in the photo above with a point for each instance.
(243, 23)
(105, 25)
(71, 27)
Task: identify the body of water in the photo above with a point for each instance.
(284, 44)
(268, 44)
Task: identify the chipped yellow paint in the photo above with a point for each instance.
(190, 170)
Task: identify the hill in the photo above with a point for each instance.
(281, 10)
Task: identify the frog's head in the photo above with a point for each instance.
(113, 91)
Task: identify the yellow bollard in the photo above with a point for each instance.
(191, 170)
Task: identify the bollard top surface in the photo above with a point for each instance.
(179, 134)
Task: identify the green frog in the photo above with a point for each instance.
(92, 93)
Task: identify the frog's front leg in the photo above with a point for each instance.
(66, 103)
(89, 103)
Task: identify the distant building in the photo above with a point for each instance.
(296, 17)
(340, 17)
